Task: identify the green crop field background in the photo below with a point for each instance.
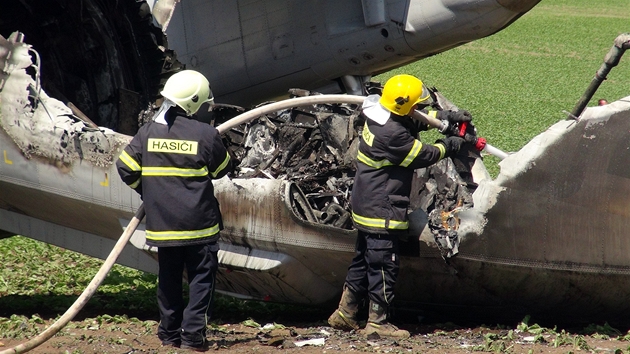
(516, 84)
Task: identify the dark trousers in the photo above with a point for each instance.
(374, 268)
(180, 323)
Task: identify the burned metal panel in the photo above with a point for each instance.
(258, 216)
(53, 156)
(560, 199)
(42, 126)
(270, 276)
(106, 58)
(258, 213)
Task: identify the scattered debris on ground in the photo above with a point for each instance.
(119, 334)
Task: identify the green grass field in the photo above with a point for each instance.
(517, 82)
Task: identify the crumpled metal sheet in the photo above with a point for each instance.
(42, 126)
(442, 193)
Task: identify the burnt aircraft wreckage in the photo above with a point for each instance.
(540, 238)
(109, 58)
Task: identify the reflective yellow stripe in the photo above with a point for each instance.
(413, 153)
(379, 223)
(130, 161)
(181, 235)
(222, 166)
(175, 172)
(384, 285)
(372, 163)
(442, 149)
(433, 114)
(136, 183)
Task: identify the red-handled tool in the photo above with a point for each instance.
(480, 143)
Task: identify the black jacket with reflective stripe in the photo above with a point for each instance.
(387, 157)
(172, 167)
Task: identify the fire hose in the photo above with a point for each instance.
(90, 290)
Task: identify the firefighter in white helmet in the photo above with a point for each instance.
(171, 163)
(388, 154)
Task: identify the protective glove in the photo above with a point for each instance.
(421, 126)
(450, 125)
(452, 144)
(459, 116)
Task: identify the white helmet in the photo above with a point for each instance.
(188, 89)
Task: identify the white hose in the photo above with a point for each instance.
(495, 152)
(290, 103)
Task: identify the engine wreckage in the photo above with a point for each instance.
(315, 147)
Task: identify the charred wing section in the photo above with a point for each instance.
(43, 127)
(104, 57)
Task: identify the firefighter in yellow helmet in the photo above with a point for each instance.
(171, 163)
(388, 154)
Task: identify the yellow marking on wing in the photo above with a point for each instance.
(105, 183)
(6, 159)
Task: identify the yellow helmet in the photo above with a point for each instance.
(188, 89)
(402, 92)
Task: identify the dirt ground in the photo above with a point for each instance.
(134, 336)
